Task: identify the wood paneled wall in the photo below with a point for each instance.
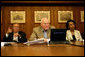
(28, 26)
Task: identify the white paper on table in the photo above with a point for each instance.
(37, 41)
(2, 44)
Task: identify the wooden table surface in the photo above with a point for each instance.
(20, 49)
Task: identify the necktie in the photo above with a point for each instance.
(45, 34)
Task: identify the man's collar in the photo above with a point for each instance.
(43, 29)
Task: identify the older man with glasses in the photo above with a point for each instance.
(42, 31)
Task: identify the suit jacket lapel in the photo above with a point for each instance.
(42, 31)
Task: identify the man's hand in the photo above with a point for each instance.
(16, 35)
(45, 40)
(9, 30)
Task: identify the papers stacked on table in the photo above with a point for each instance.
(37, 41)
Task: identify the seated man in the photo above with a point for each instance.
(42, 31)
(15, 35)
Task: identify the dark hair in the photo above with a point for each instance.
(67, 24)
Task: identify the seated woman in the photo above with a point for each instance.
(72, 34)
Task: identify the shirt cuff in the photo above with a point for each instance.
(7, 35)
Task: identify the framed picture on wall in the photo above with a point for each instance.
(82, 16)
(41, 14)
(63, 16)
(17, 16)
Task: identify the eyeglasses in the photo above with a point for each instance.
(46, 23)
(16, 27)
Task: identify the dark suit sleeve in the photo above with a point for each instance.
(23, 37)
(5, 38)
(8, 39)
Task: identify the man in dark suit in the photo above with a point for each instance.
(15, 35)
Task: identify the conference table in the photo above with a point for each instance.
(43, 49)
